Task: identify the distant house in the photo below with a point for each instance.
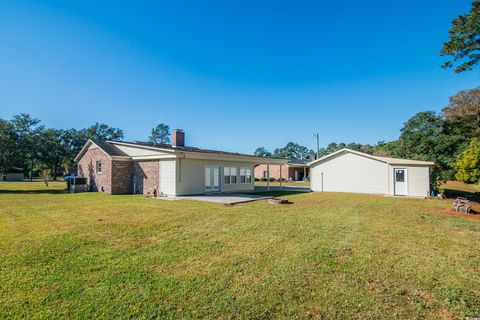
(295, 170)
(134, 167)
(353, 171)
(15, 174)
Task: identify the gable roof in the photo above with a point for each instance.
(112, 149)
(109, 149)
(381, 159)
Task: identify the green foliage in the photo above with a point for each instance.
(463, 46)
(101, 131)
(27, 130)
(262, 152)
(160, 134)
(8, 156)
(293, 151)
(468, 164)
(29, 145)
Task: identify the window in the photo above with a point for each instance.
(99, 166)
(400, 175)
(265, 174)
(230, 175)
(245, 175)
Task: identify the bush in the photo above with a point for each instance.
(256, 179)
(263, 179)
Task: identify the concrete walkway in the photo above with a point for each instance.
(223, 198)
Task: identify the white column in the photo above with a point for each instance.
(268, 177)
(280, 177)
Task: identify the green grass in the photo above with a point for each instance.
(455, 189)
(326, 255)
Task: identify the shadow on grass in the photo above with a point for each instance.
(472, 196)
(43, 191)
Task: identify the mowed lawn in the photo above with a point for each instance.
(326, 256)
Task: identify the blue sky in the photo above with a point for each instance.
(233, 74)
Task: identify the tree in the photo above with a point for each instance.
(463, 111)
(419, 135)
(464, 44)
(50, 153)
(7, 147)
(293, 150)
(262, 152)
(468, 163)
(72, 142)
(101, 132)
(160, 134)
(27, 130)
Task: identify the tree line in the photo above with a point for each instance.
(449, 138)
(28, 145)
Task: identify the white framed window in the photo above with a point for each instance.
(245, 175)
(98, 166)
(230, 175)
(265, 174)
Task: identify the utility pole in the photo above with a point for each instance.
(315, 135)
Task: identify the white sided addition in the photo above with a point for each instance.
(357, 172)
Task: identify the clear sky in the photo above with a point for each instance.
(233, 74)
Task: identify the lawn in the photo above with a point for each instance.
(326, 255)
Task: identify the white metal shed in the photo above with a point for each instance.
(357, 172)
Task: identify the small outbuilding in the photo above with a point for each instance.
(14, 174)
(357, 172)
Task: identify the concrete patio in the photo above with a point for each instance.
(222, 198)
(283, 188)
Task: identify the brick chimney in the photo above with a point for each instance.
(178, 138)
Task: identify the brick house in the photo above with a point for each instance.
(294, 170)
(117, 167)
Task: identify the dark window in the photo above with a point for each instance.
(400, 175)
(99, 166)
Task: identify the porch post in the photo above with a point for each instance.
(268, 177)
(304, 173)
(281, 177)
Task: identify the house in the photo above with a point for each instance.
(14, 174)
(296, 170)
(135, 167)
(353, 171)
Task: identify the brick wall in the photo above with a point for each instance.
(147, 176)
(87, 168)
(274, 171)
(287, 172)
(122, 177)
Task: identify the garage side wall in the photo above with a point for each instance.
(418, 180)
(348, 172)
